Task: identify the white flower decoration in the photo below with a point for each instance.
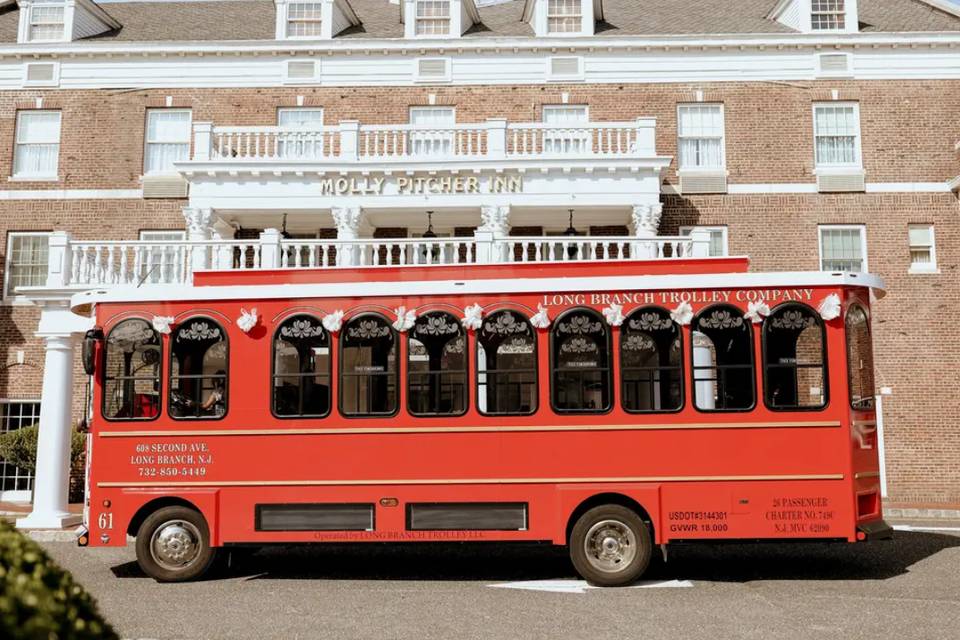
(405, 319)
(540, 320)
(757, 311)
(683, 314)
(614, 315)
(247, 320)
(472, 317)
(333, 321)
(830, 307)
(162, 323)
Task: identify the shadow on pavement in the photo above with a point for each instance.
(726, 562)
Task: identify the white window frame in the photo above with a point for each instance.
(32, 22)
(287, 20)
(147, 142)
(556, 141)
(844, 14)
(711, 229)
(929, 267)
(9, 296)
(418, 19)
(560, 16)
(861, 228)
(17, 145)
(15, 495)
(426, 143)
(159, 265)
(722, 168)
(857, 164)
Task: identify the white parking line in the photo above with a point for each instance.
(910, 527)
(581, 586)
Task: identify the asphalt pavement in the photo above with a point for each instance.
(905, 588)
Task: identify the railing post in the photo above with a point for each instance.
(496, 138)
(646, 143)
(270, 249)
(700, 238)
(349, 140)
(60, 260)
(486, 250)
(202, 140)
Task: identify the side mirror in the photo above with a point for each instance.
(90, 340)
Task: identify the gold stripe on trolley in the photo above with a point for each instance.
(430, 481)
(866, 474)
(467, 429)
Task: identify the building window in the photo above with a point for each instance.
(27, 258)
(564, 16)
(198, 370)
(131, 373)
(794, 364)
(16, 414)
(843, 248)
(722, 353)
(580, 346)
(433, 18)
(651, 362)
(506, 365)
(700, 136)
(827, 15)
(168, 139)
(302, 141)
(433, 134)
(718, 239)
(368, 367)
(437, 363)
(923, 249)
(301, 368)
(836, 130)
(46, 23)
(37, 149)
(304, 20)
(859, 359)
(567, 132)
(161, 262)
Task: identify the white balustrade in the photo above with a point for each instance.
(599, 248)
(273, 143)
(604, 139)
(412, 141)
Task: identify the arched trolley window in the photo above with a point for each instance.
(722, 355)
(368, 367)
(859, 358)
(301, 368)
(580, 356)
(198, 370)
(131, 375)
(437, 366)
(506, 365)
(794, 359)
(651, 362)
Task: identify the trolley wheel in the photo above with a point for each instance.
(610, 546)
(173, 545)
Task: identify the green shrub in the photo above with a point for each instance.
(19, 448)
(38, 599)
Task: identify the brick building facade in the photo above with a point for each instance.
(893, 66)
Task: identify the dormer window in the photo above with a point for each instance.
(828, 15)
(564, 16)
(304, 20)
(433, 18)
(46, 23)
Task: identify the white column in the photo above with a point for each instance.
(222, 256)
(59, 260)
(645, 224)
(53, 442)
(198, 221)
(490, 236)
(704, 386)
(270, 249)
(348, 221)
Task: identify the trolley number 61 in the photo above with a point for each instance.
(105, 521)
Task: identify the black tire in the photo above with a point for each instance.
(634, 545)
(182, 523)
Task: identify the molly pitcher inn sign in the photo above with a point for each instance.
(420, 185)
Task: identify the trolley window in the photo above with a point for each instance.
(131, 378)
(859, 358)
(437, 366)
(794, 361)
(722, 354)
(198, 370)
(301, 368)
(506, 365)
(581, 363)
(651, 362)
(368, 367)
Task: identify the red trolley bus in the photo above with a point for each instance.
(609, 407)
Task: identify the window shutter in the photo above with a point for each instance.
(41, 74)
(565, 68)
(435, 69)
(299, 71)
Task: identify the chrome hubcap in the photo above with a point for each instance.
(175, 544)
(610, 546)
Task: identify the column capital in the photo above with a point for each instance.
(348, 221)
(645, 219)
(496, 219)
(198, 221)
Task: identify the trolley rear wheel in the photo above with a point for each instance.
(610, 546)
(173, 545)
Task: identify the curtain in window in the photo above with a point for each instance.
(836, 133)
(168, 140)
(842, 249)
(38, 144)
(700, 132)
(561, 139)
(435, 138)
(301, 143)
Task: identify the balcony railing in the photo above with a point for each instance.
(81, 264)
(494, 139)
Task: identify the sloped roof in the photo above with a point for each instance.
(215, 20)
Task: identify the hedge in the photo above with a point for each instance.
(38, 599)
(19, 448)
